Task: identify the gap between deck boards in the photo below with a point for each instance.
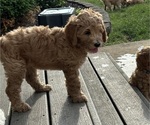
(48, 97)
(109, 95)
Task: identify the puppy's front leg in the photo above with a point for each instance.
(73, 86)
(34, 81)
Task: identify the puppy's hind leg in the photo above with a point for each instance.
(33, 79)
(119, 5)
(109, 6)
(15, 72)
(73, 86)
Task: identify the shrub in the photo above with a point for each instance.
(12, 10)
(50, 3)
(15, 8)
(14, 13)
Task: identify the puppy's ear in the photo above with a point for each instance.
(142, 59)
(104, 34)
(70, 32)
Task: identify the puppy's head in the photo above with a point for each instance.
(143, 59)
(86, 30)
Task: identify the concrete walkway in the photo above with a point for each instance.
(125, 54)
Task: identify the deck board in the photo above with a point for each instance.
(63, 111)
(103, 105)
(90, 105)
(129, 104)
(38, 115)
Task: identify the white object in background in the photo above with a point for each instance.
(2, 117)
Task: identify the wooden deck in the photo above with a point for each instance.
(111, 100)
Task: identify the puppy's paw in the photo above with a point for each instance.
(44, 88)
(80, 98)
(22, 107)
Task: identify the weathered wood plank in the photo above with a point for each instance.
(38, 115)
(147, 103)
(90, 105)
(4, 101)
(63, 112)
(128, 103)
(103, 105)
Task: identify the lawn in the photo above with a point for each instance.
(129, 24)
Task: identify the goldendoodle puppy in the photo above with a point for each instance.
(130, 2)
(25, 50)
(116, 3)
(141, 75)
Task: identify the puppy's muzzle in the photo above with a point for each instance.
(97, 44)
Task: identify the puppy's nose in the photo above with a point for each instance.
(97, 44)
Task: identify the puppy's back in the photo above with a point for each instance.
(21, 38)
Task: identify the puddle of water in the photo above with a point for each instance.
(127, 63)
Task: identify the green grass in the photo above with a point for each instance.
(129, 24)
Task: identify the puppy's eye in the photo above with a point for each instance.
(88, 32)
